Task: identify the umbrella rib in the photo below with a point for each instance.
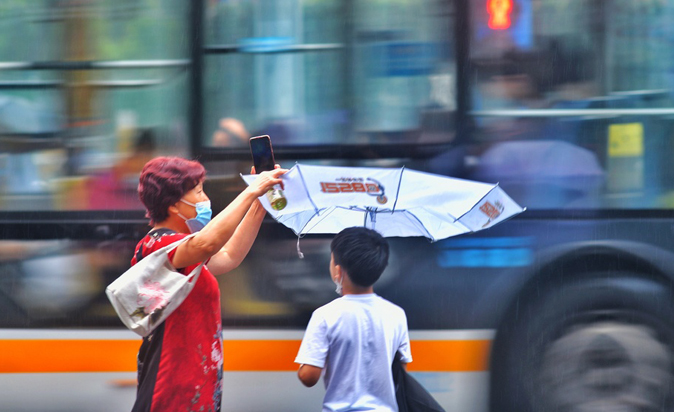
(428, 234)
(327, 213)
(318, 221)
(478, 202)
(400, 179)
(304, 184)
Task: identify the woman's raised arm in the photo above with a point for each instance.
(211, 239)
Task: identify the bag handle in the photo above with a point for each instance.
(168, 248)
(156, 234)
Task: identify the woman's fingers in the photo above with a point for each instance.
(274, 177)
(278, 172)
(267, 180)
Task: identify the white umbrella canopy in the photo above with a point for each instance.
(396, 202)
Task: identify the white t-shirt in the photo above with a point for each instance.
(354, 339)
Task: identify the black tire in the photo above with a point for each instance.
(604, 341)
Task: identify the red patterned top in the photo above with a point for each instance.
(180, 362)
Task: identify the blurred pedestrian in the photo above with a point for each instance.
(115, 188)
(231, 133)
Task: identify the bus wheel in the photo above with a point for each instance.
(604, 343)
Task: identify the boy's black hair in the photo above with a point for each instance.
(362, 253)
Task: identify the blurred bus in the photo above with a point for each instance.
(568, 104)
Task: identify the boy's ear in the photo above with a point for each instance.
(339, 271)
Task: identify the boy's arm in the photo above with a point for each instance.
(309, 375)
(313, 351)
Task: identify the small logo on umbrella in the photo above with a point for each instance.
(381, 198)
(492, 211)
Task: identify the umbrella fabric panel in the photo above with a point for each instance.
(495, 207)
(297, 192)
(322, 187)
(438, 223)
(440, 193)
(297, 196)
(301, 208)
(403, 223)
(388, 224)
(300, 222)
(350, 186)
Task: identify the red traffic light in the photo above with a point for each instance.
(499, 14)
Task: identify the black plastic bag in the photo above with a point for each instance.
(411, 396)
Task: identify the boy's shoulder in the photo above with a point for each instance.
(342, 302)
(330, 306)
(390, 304)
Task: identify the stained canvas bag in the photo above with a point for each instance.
(146, 294)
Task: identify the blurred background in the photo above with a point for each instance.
(567, 104)
(91, 89)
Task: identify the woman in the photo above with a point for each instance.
(180, 362)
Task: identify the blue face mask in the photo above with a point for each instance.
(203, 215)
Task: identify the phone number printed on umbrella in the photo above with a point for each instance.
(332, 187)
(355, 185)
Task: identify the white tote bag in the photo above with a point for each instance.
(146, 294)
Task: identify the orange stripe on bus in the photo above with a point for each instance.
(450, 355)
(48, 356)
(260, 355)
(35, 356)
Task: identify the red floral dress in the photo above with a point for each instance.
(180, 362)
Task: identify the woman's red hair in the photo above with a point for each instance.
(164, 181)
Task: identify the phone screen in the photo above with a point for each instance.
(263, 156)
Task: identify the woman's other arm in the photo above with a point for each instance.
(213, 237)
(238, 246)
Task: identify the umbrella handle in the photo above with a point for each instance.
(299, 252)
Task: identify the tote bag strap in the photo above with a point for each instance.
(156, 234)
(168, 248)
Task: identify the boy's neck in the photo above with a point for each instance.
(356, 290)
(360, 293)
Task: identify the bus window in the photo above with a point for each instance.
(564, 78)
(88, 90)
(329, 72)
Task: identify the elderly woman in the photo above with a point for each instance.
(180, 362)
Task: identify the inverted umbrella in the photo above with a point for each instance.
(393, 201)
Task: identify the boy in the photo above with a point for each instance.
(355, 337)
